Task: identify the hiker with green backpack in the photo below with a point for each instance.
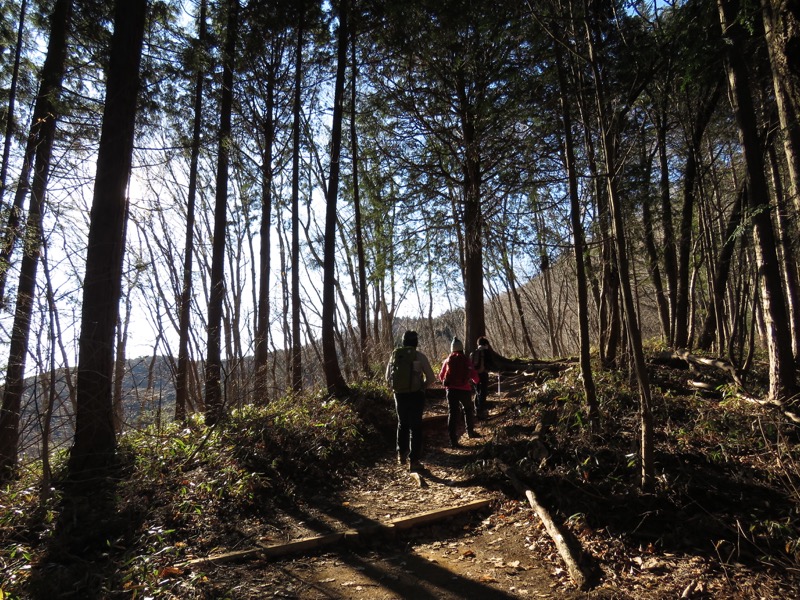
(409, 372)
(458, 375)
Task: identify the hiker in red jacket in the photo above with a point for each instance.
(458, 374)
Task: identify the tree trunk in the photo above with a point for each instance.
(296, 358)
(654, 270)
(363, 298)
(262, 328)
(681, 338)
(95, 443)
(713, 322)
(334, 379)
(609, 127)
(12, 98)
(782, 380)
(119, 367)
(475, 318)
(213, 390)
(578, 242)
(787, 254)
(782, 32)
(43, 131)
(670, 254)
(181, 377)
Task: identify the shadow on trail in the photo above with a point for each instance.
(411, 576)
(86, 549)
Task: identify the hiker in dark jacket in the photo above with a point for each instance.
(410, 402)
(482, 359)
(458, 374)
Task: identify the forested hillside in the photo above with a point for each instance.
(261, 196)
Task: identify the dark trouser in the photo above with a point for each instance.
(482, 391)
(409, 407)
(456, 399)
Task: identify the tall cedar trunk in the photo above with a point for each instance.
(782, 31)
(296, 351)
(782, 381)
(547, 284)
(604, 287)
(95, 442)
(670, 254)
(609, 317)
(119, 367)
(513, 292)
(360, 256)
(213, 390)
(333, 374)
(609, 125)
(475, 319)
(653, 268)
(12, 99)
(683, 299)
(578, 242)
(262, 327)
(44, 132)
(655, 271)
(54, 374)
(38, 118)
(713, 322)
(787, 253)
(9, 239)
(181, 378)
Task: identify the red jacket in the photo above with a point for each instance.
(473, 374)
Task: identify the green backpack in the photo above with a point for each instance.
(403, 359)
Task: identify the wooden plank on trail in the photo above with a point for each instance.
(428, 419)
(219, 558)
(302, 545)
(311, 543)
(321, 541)
(438, 515)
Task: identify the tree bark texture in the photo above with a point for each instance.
(781, 363)
(333, 375)
(213, 385)
(296, 353)
(95, 440)
(43, 130)
(782, 32)
(184, 319)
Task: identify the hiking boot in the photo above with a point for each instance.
(414, 466)
(473, 434)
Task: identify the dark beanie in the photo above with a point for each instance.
(410, 338)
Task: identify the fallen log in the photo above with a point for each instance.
(709, 389)
(684, 359)
(575, 559)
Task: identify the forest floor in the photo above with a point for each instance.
(722, 522)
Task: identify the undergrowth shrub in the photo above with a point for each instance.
(311, 436)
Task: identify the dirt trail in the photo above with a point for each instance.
(487, 554)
